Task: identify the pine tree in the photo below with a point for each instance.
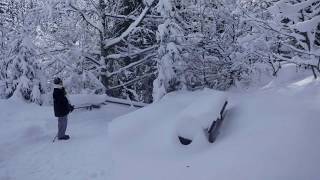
(23, 78)
(21, 72)
(170, 64)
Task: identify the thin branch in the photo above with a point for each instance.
(132, 65)
(94, 5)
(92, 60)
(59, 59)
(84, 16)
(133, 18)
(118, 56)
(111, 42)
(53, 51)
(300, 51)
(132, 81)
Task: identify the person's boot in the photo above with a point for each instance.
(65, 137)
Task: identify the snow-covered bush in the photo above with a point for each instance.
(207, 36)
(297, 24)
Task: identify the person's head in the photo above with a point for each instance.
(57, 81)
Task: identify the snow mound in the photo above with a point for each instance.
(287, 75)
(199, 115)
(177, 114)
(266, 135)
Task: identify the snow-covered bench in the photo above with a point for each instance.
(202, 119)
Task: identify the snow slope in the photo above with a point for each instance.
(269, 134)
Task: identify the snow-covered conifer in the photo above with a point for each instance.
(170, 62)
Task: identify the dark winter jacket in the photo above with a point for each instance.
(60, 103)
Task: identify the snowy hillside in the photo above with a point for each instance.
(270, 134)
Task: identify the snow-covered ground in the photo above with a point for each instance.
(27, 151)
(268, 134)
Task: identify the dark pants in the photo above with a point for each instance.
(62, 126)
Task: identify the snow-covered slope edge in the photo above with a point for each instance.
(272, 134)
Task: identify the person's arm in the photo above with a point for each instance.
(66, 101)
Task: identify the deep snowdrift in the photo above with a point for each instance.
(273, 134)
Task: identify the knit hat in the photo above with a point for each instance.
(57, 81)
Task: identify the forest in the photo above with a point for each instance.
(141, 50)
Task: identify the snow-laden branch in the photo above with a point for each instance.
(133, 18)
(132, 65)
(53, 51)
(111, 42)
(132, 81)
(60, 60)
(85, 18)
(118, 56)
(301, 51)
(308, 25)
(92, 60)
(95, 6)
(298, 61)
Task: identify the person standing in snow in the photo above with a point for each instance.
(62, 108)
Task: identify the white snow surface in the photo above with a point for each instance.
(268, 134)
(27, 151)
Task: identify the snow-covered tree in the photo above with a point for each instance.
(170, 61)
(256, 40)
(21, 73)
(297, 23)
(130, 61)
(143, 49)
(111, 40)
(207, 39)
